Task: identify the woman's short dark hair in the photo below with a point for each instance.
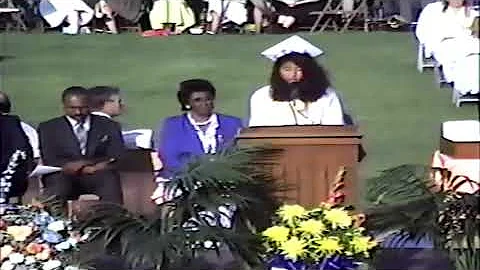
(314, 84)
(188, 87)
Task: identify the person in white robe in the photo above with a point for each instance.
(223, 11)
(76, 13)
(299, 93)
(443, 27)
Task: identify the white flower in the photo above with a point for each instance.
(62, 246)
(56, 226)
(72, 241)
(30, 260)
(51, 264)
(7, 265)
(71, 268)
(16, 258)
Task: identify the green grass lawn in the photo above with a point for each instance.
(398, 109)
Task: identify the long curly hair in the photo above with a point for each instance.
(313, 85)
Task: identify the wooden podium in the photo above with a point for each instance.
(311, 158)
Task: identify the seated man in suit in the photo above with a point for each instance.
(86, 146)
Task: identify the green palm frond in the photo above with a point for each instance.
(402, 201)
(176, 233)
(399, 184)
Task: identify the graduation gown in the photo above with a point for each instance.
(264, 111)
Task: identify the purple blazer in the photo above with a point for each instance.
(177, 141)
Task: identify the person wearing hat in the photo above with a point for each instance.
(198, 131)
(299, 93)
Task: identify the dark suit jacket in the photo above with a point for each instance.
(59, 145)
(13, 138)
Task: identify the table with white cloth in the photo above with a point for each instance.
(459, 154)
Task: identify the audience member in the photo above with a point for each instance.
(109, 9)
(105, 101)
(221, 11)
(299, 93)
(73, 14)
(198, 131)
(171, 12)
(407, 9)
(454, 18)
(86, 146)
(290, 12)
(5, 108)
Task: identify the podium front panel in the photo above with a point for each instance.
(311, 158)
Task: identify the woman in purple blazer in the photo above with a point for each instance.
(198, 131)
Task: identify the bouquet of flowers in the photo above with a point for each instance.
(324, 238)
(31, 238)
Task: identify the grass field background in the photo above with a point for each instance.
(398, 109)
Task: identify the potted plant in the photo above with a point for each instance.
(426, 207)
(324, 238)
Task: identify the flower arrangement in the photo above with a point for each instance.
(31, 238)
(321, 238)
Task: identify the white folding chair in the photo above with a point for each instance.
(466, 87)
(423, 61)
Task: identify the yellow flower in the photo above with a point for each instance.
(19, 233)
(338, 217)
(293, 248)
(329, 245)
(289, 212)
(311, 226)
(277, 233)
(363, 244)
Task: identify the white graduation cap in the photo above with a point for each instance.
(289, 45)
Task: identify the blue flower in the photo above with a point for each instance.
(43, 219)
(52, 237)
(332, 263)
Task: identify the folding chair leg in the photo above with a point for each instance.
(315, 25)
(420, 58)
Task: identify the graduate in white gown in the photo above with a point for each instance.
(299, 93)
(443, 28)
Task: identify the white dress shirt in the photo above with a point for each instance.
(207, 136)
(99, 113)
(73, 122)
(32, 138)
(264, 111)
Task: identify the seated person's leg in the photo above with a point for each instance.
(261, 12)
(73, 21)
(214, 11)
(104, 184)
(103, 8)
(301, 12)
(60, 186)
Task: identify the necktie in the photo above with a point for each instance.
(81, 134)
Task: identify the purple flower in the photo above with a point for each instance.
(52, 237)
